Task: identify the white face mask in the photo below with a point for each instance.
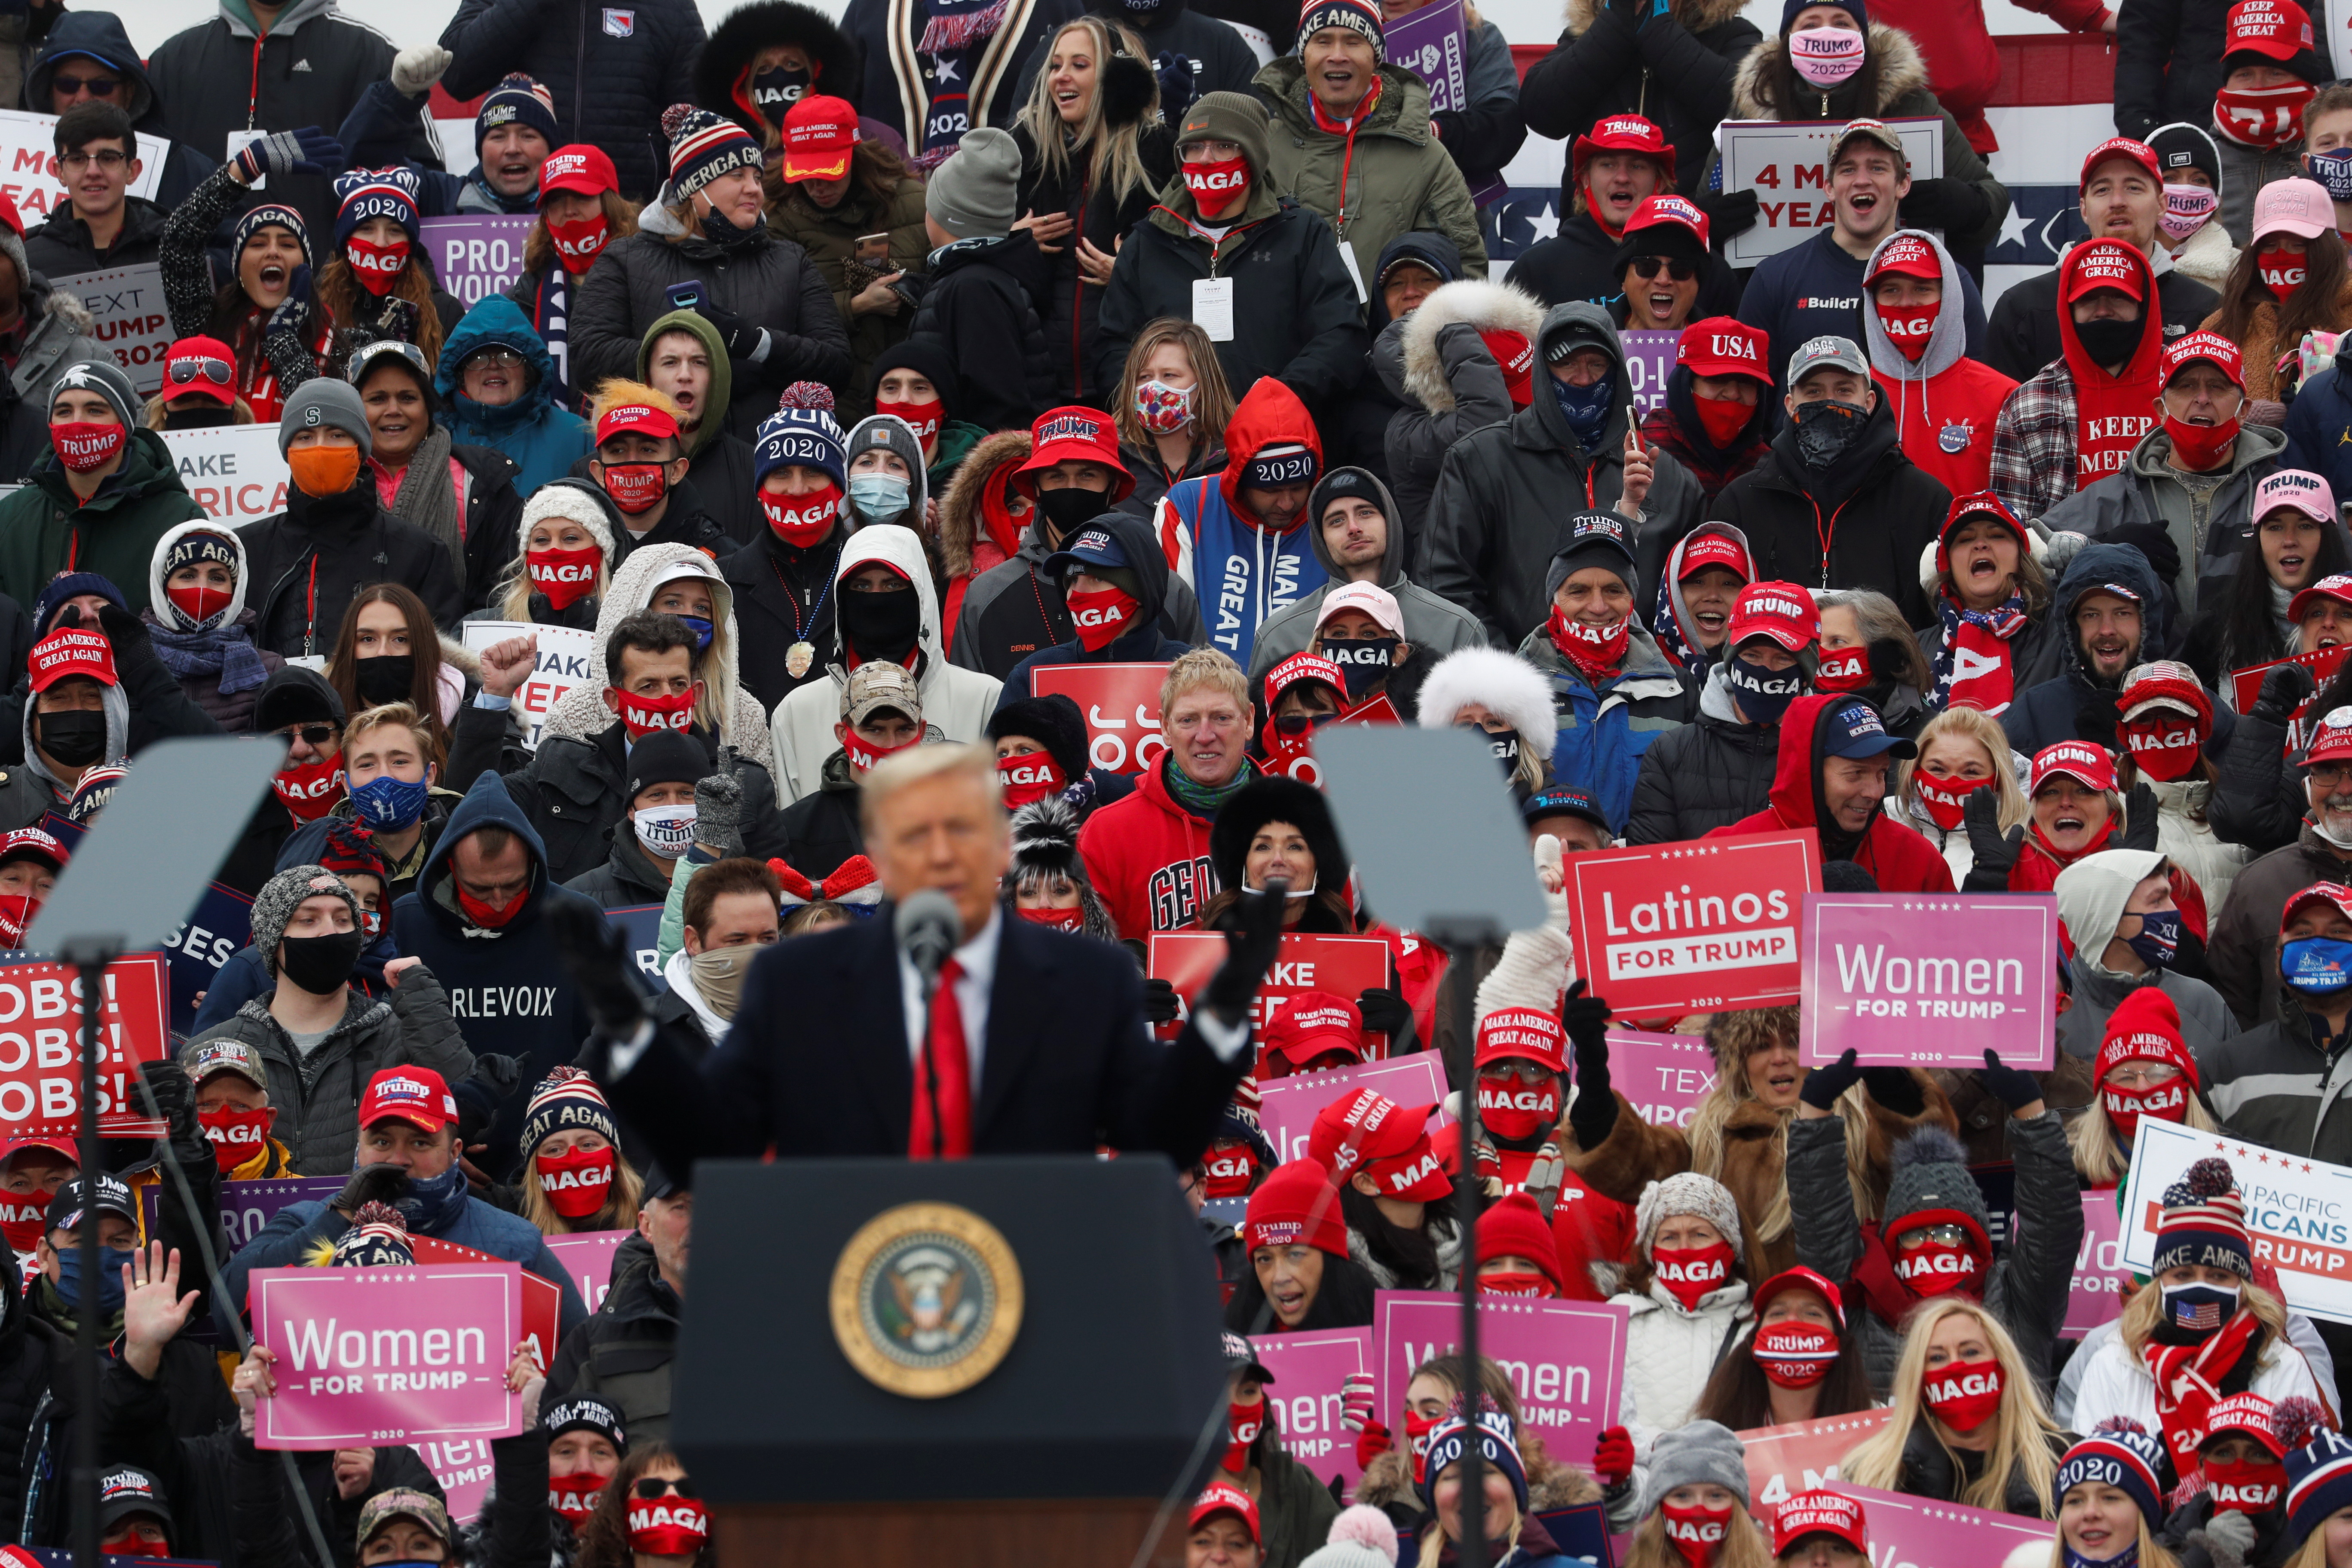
(666, 830)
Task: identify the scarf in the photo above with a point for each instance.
(2111, 412)
(226, 651)
(1201, 800)
(2189, 1379)
(428, 500)
(61, 1315)
(1986, 677)
(2127, 1558)
(551, 312)
(955, 33)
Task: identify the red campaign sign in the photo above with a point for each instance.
(1348, 965)
(2100, 1273)
(1800, 1456)
(1566, 1360)
(1286, 1107)
(1664, 1077)
(1928, 1532)
(1306, 769)
(2246, 688)
(1888, 975)
(587, 1257)
(1692, 926)
(1309, 1368)
(1121, 702)
(40, 1048)
(388, 1355)
(543, 1302)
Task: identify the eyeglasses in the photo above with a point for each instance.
(2327, 776)
(106, 158)
(651, 1487)
(2142, 1075)
(1680, 270)
(1512, 1070)
(191, 367)
(1941, 1234)
(97, 86)
(501, 357)
(310, 734)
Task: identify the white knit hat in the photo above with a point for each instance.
(1690, 1193)
(1361, 1537)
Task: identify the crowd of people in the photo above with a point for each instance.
(865, 382)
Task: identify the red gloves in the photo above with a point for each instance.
(1370, 1444)
(1613, 1458)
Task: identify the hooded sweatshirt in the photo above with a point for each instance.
(1143, 641)
(2092, 893)
(1209, 534)
(1944, 403)
(956, 701)
(1899, 859)
(2073, 424)
(542, 438)
(718, 461)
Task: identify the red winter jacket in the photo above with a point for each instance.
(1962, 68)
(1945, 423)
(1149, 859)
(1901, 860)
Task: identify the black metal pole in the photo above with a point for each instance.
(1461, 948)
(89, 965)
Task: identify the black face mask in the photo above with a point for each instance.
(775, 91)
(320, 963)
(2108, 341)
(206, 417)
(1072, 505)
(74, 736)
(1825, 430)
(1505, 745)
(881, 626)
(720, 230)
(386, 677)
(1763, 694)
(1365, 662)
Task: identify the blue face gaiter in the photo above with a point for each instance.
(111, 1262)
(432, 1202)
(1586, 408)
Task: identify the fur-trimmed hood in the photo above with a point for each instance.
(1902, 71)
(1695, 16)
(1482, 306)
(723, 71)
(960, 508)
(1388, 1480)
(1504, 682)
(737, 720)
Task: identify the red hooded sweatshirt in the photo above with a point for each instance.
(1242, 571)
(1149, 859)
(1901, 860)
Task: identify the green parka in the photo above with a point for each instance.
(45, 530)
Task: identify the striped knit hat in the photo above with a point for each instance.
(517, 99)
(378, 1239)
(2204, 1223)
(703, 146)
(363, 194)
(2119, 1453)
(564, 1099)
(2318, 1480)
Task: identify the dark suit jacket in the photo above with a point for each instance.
(817, 1062)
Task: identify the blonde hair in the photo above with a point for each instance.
(2022, 1425)
(2140, 1315)
(400, 715)
(1972, 724)
(1429, 1550)
(613, 392)
(916, 764)
(2314, 1550)
(2092, 1137)
(1213, 396)
(1744, 1545)
(621, 1201)
(1202, 666)
(1733, 1037)
(2152, 1553)
(1114, 155)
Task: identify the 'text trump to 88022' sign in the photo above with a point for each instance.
(1695, 925)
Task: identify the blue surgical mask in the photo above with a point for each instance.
(2158, 937)
(701, 630)
(2333, 170)
(432, 1202)
(2198, 1309)
(1763, 695)
(111, 1262)
(2315, 965)
(389, 804)
(1586, 408)
(879, 497)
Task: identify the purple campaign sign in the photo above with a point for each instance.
(247, 1206)
(1432, 44)
(1928, 978)
(1309, 1368)
(1566, 1360)
(1663, 1076)
(388, 1355)
(477, 256)
(1287, 1105)
(1649, 360)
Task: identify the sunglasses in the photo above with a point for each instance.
(1299, 723)
(101, 86)
(651, 1487)
(1680, 270)
(191, 367)
(310, 735)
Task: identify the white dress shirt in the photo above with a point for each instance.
(972, 987)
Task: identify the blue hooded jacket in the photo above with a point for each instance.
(542, 438)
(508, 986)
(1143, 642)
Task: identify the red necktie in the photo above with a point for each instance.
(945, 1071)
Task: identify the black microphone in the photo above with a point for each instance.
(928, 927)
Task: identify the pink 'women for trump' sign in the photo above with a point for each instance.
(1566, 1360)
(388, 1355)
(1930, 979)
(1309, 1369)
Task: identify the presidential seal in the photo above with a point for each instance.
(926, 1299)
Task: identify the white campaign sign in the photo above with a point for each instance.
(28, 163)
(2298, 1211)
(1785, 164)
(126, 306)
(235, 471)
(567, 657)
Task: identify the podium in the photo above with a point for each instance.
(991, 1362)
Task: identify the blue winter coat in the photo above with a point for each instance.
(539, 435)
(2319, 430)
(1601, 734)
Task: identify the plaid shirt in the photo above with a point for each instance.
(2034, 464)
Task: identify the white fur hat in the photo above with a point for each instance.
(1504, 683)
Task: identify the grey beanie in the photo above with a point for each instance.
(1931, 1172)
(1687, 1193)
(105, 378)
(324, 400)
(891, 434)
(1692, 1454)
(971, 195)
(282, 895)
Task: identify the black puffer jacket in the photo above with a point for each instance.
(1675, 71)
(978, 307)
(1072, 309)
(622, 1355)
(28, 1346)
(612, 70)
(1707, 774)
(308, 561)
(769, 283)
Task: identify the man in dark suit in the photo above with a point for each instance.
(1033, 1043)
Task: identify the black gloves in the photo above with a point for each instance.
(2153, 541)
(308, 150)
(1895, 1089)
(1953, 205)
(2140, 818)
(1160, 1003)
(1729, 213)
(1252, 943)
(370, 1184)
(2285, 689)
(2014, 1088)
(740, 337)
(1176, 83)
(1586, 1021)
(600, 963)
(175, 1102)
(1383, 1010)
(1825, 1083)
(1994, 854)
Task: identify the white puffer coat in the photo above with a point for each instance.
(1669, 1353)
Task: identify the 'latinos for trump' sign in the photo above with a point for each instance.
(1930, 979)
(1692, 926)
(2298, 1211)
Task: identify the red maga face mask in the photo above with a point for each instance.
(564, 575)
(577, 1181)
(1846, 669)
(863, 753)
(924, 417)
(1934, 1268)
(1230, 1168)
(491, 917)
(574, 1496)
(1964, 1394)
(2245, 1486)
(1059, 919)
(1690, 1272)
(801, 520)
(23, 1221)
(1908, 327)
(1514, 1111)
(1218, 185)
(1945, 800)
(1243, 1422)
(377, 266)
(1514, 1283)
(309, 791)
(1100, 615)
(579, 243)
(82, 448)
(641, 716)
(2200, 445)
(2282, 271)
(1030, 776)
(1597, 646)
(2165, 748)
(1696, 1532)
(1723, 418)
(1795, 1354)
(198, 603)
(635, 487)
(236, 1135)
(669, 1526)
(2166, 1101)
